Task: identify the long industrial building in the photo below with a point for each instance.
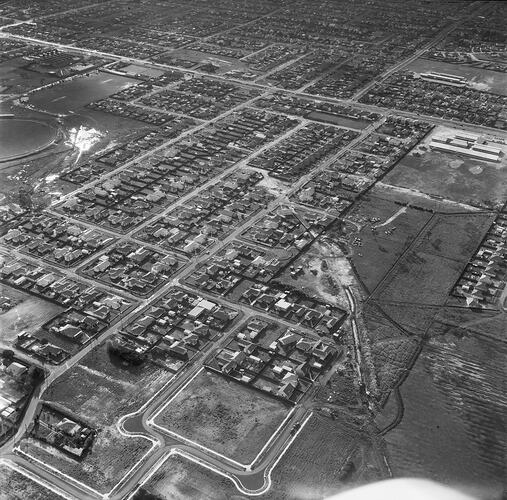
(456, 81)
(467, 145)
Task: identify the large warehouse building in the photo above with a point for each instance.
(468, 145)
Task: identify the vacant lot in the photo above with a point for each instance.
(378, 326)
(421, 278)
(28, 314)
(181, 479)
(453, 428)
(385, 230)
(224, 416)
(100, 389)
(111, 456)
(16, 486)
(324, 272)
(323, 446)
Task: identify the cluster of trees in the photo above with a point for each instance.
(127, 352)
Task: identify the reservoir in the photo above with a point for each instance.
(74, 94)
(22, 137)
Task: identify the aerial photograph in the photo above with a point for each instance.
(253, 249)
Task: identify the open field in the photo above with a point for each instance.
(378, 251)
(427, 273)
(421, 278)
(414, 318)
(29, 314)
(455, 237)
(424, 277)
(480, 79)
(467, 180)
(18, 80)
(414, 198)
(100, 389)
(324, 446)
(16, 486)
(378, 326)
(453, 427)
(224, 416)
(342, 121)
(463, 322)
(392, 350)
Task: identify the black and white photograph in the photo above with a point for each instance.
(253, 250)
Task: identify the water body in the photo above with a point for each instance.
(22, 137)
(74, 94)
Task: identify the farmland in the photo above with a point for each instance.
(224, 416)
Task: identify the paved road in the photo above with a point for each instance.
(6, 450)
(253, 477)
(431, 43)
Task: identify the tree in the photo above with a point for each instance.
(117, 347)
(34, 376)
(7, 356)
